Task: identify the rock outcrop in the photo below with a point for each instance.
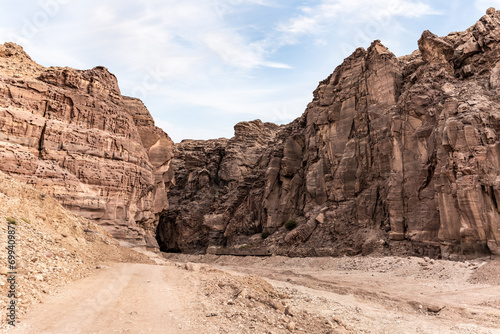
(213, 179)
(393, 155)
(72, 135)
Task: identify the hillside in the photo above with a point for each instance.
(53, 246)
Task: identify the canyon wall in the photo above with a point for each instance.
(73, 136)
(392, 156)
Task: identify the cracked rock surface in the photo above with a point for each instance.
(73, 136)
(392, 156)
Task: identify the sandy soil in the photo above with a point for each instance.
(124, 298)
(380, 295)
(185, 294)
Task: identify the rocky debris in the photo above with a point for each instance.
(261, 310)
(351, 294)
(392, 156)
(277, 305)
(289, 311)
(411, 268)
(434, 308)
(291, 326)
(53, 245)
(73, 136)
(487, 273)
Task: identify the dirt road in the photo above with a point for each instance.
(125, 298)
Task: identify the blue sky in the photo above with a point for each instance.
(201, 66)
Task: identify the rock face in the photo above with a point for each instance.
(72, 135)
(213, 179)
(393, 155)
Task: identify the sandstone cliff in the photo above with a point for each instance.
(393, 155)
(72, 135)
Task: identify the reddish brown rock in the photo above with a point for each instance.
(74, 136)
(393, 155)
(212, 180)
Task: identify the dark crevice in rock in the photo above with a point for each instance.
(216, 178)
(431, 167)
(42, 139)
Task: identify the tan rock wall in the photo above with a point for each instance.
(72, 135)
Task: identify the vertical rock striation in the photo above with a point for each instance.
(73, 135)
(393, 155)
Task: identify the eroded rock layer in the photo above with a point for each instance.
(73, 135)
(393, 155)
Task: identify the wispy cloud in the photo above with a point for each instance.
(233, 50)
(316, 20)
(242, 100)
(229, 107)
(202, 65)
(155, 29)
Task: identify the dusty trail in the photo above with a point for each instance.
(125, 298)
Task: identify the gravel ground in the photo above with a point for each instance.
(53, 247)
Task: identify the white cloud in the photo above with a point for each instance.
(103, 14)
(150, 32)
(9, 35)
(196, 57)
(233, 50)
(226, 108)
(303, 24)
(224, 7)
(318, 19)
